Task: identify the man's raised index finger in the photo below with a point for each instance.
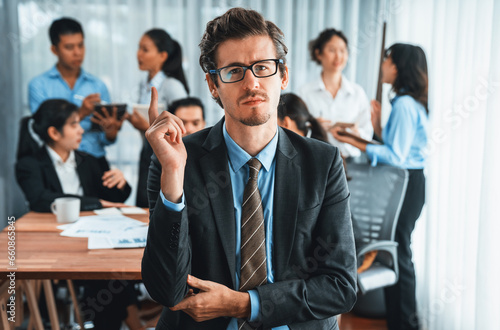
(153, 106)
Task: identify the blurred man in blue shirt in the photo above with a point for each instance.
(67, 80)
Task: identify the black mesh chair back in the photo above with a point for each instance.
(377, 195)
(29, 142)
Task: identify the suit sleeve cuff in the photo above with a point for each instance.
(254, 305)
(176, 207)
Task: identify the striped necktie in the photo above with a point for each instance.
(253, 239)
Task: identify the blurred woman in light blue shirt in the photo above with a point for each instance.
(404, 140)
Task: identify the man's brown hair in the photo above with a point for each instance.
(238, 23)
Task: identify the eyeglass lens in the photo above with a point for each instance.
(260, 69)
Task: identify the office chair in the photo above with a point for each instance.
(377, 195)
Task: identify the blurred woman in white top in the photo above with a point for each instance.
(331, 97)
(161, 57)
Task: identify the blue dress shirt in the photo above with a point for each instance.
(51, 85)
(404, 136)
(239, 172)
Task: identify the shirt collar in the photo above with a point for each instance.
(57, 160)
(54, 73)
(396, 96)
(157, 80)
(239, 157)
(345, 85)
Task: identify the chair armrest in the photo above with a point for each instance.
(389, 258)
(388, 246)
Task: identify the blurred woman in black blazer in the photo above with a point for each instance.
(49, 166)
(56, 169)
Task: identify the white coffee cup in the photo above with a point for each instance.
(67, 209)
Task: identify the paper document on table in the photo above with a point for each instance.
(132, 210)
(103, 225)
(99, 242)
(122, 210)
(107, 211)
(132, 239)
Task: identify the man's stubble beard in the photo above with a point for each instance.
(256, 120)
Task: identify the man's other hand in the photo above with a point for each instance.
(214, 300)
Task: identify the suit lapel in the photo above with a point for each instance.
(213, 165)
(49, 170)
(83, 174)
(286, 200)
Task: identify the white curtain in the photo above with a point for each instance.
(455, 241)
(11, 197)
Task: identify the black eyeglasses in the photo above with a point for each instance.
(260, 69)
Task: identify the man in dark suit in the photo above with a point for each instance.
(251, 227)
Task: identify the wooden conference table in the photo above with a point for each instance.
(42, 254)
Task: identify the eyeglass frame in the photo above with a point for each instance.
(277, 61)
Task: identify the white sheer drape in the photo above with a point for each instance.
(455, 241)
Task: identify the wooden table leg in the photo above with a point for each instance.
(19, 305)
(51, 304)
(3, 317)
(37, 286)
(76, 307)
(4, 297)
(33, 304)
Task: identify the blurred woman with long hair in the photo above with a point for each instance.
(161, 57)
(404, 140)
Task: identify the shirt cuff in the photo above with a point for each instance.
(105, 140)
(254, 305)
(370, 151)
(176, 207)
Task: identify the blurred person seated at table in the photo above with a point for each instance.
(294, 115)
(332, 98)
(161, 57)
(57, 169)
(67, 80)
(192, 113)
